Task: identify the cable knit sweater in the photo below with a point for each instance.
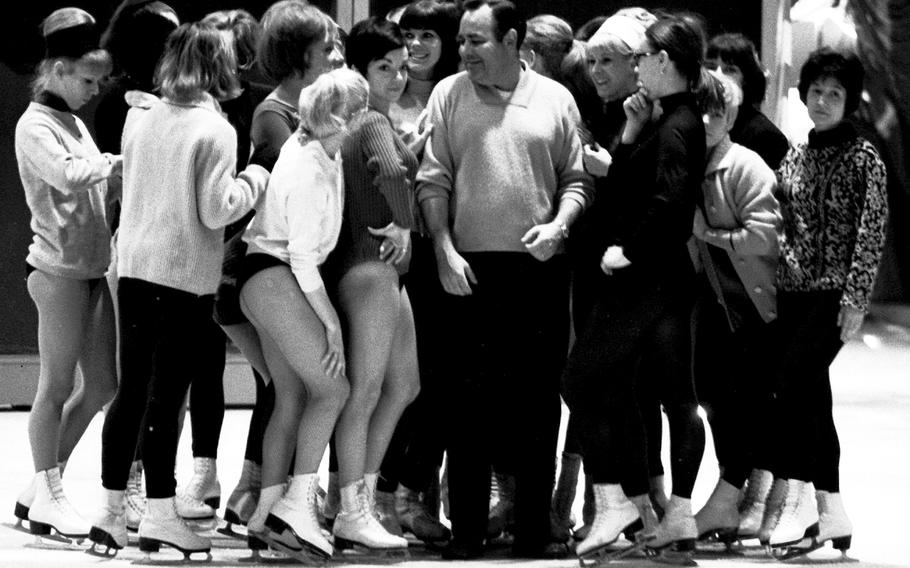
(179, 191)
(65, 179)
(833, 192)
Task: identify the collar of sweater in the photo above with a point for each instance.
(206, 101)
(53, 101)
(842, 133)
(718, 158)
(521, 96)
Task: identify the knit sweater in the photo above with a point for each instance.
(299, 219)
(504, 160)
(66, 182)
(833, 192)
(179, 192)
(379, 172)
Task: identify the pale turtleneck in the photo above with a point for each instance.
(405, 112)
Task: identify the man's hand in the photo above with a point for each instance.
(613, 259)
(597, 160)
(850, 320)
(543, 240)
(455, 273)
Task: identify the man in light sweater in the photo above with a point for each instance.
(501, 182)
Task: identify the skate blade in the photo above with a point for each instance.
(108, 552)
(674, 557)
(20, 525)
(228, 531)
(351, 549)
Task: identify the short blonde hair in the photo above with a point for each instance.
(326, 106)
(197, 59)
(80, 47)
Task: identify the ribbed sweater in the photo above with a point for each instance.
(503, 160)
(179, 191)
(379, 172)
(66, 189)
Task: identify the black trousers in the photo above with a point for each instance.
(638, 315)
(508, 348)
(206, 406)
(806, 446)
(733, 377)
(159, 330)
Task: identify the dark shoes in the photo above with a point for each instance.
(458, 550)
(541, 551)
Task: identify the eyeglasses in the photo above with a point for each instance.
(637, 57)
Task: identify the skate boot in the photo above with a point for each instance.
(24, 502)
(386, 513)
(135, 497)
(718, 519)
(799, 518)
(415, 517)
(774, 506)
(588, 511)
(356, 525)
(51, 511)
(674, 540)
(163, 526)
(615, 514)
(332, 502)
(833, 525)
(292, 524)
(561, 519)
(658, 494)
(256, 530)
(193, 509)
(752, 507)
(109, 530)
(502, 505)
(204, 485)
(243, 499)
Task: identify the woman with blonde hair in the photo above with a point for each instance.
(69, 187)
(179, 163)
(283, 295)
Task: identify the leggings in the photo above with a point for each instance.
(159, 327)
(809, 341)
(637, 315)
(207, 391)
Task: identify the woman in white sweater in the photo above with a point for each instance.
(284, 297)
(179, 192)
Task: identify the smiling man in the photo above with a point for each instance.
(500, 184)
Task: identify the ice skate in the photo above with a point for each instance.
(356, 526)
(204, 485)
(773, 508)
(833, 525)
(243, 499)
(256, 531)
(752, 506)
(192, 509)
(386, 513)
(332, 502)
(674, 540)
(718, 519)
(109, 531)
(561, 519)
(163, 526)
(615, 514)
(587, 512)
(51, 516)
(415, 517)
(23, 503)
(135, 497)
(798, 519)
(502, 505)
(658, 494)
(292, 524)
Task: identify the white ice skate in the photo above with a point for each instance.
(51, 514)
(502, 505)
(24, 502)
(774, 506)
(242, 502)
(135, 497)
(356, 526)
(256, 531)
(718, 519)
(293, 527)
(204, 485)
(109, 529)
(615, 514)
(163, 526)
(674, 540)
(798, 518)
(752, 507)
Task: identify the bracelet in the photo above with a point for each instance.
(564, 230)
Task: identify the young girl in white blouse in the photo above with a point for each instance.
(285, 299)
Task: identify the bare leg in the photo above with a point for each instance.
(246, 339)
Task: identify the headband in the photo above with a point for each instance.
(628, 30)
(74, 41)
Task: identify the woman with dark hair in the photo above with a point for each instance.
(833, 195)
(179, 162)
(642, 308)
(373, 252)
(69, 189)
(734, 54)
(412, 462)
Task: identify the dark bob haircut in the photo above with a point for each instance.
(843, 67)
(370, 40)
(682, 37)
(441, 17)
(135, 38)
(506, 16)
(737, 49)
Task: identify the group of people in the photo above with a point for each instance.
(400, 233)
